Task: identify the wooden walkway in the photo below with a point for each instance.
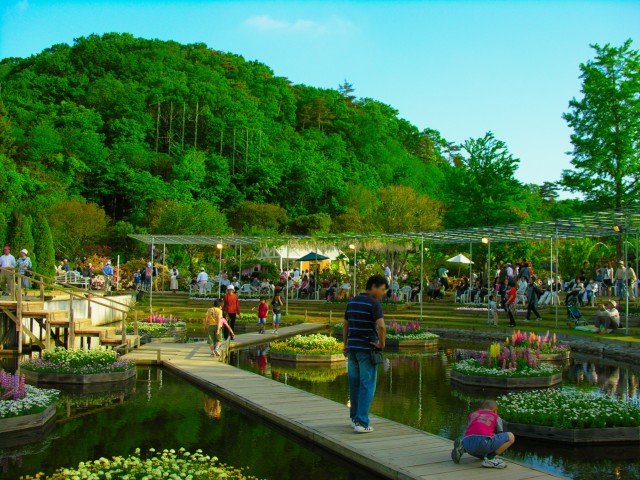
(393, 451)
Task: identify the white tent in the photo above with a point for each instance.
(282, 254)
(460, 258)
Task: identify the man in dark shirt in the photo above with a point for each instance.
(364, 336)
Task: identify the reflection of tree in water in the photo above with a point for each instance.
(212, 408)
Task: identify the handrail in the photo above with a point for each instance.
(83, 295)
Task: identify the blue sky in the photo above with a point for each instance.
(462, 67)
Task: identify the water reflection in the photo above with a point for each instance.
(415, 390)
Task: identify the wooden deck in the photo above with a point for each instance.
(393, 451)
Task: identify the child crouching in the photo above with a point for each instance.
(484, 437)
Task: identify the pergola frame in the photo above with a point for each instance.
(601, 224)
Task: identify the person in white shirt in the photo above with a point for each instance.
(607, 319)
(174, 275)
(202, 280)
(7, 261)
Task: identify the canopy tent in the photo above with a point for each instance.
(313, 257)
(282, 254)
(460, 258)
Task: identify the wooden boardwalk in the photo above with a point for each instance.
(393, 451)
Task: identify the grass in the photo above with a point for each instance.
(439, 314)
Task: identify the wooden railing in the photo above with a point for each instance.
(43, 281)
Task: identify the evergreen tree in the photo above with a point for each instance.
(43, 249)
(22, 236)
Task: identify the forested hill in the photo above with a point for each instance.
(150, 130)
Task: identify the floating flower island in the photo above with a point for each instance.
(570, 416)
(506, 367)
(308, 349)
(60, 365)
(410, 335)
(158, 327)
(546, 347)
(24, 407)
(165, 464)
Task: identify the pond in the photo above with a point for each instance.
(159, 411)
(414, 389)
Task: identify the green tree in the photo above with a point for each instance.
(606, 128)
(76, 225)
(44, 249)
(255, 218)
(310, 224)
(175, 218)
(482, 189)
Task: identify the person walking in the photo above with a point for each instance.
(364, 336)
(276, 308)
(25, 267)
(510, 302)
(231, 307)
(7, 263)
(532, 294)
(202, 279)
(621, 281)
(174, 275)
(107, 271)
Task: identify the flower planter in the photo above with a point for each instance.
(27, 422)
(506, 381)
(555, 357)
(53, 378)
(287, 357)
(576, 435)
(430, 344)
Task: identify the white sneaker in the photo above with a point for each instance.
(353, 424)
(493, 463)
(361, 429)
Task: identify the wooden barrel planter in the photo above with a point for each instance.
(27, 422)
(60, 378)
(506, 382)
(576, 435)
(317, 359)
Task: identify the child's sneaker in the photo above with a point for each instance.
(458, 451)
(353, 424)
(493, 463)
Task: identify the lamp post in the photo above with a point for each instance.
(355, 266)
(219, 247)
(487, 242)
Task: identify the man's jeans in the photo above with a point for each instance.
(362, 386)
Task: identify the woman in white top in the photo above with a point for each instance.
(24, 266)
(174, 274)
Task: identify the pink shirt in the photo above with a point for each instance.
(482, 422)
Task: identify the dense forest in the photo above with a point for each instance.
(116, 134)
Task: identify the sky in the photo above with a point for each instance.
(461, 67)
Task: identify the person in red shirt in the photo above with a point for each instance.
(484, 437)
(263, 311)
(510, 305)
(231, 307)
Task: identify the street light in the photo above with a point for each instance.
(487, 242)
(355, 266)
(219, 247)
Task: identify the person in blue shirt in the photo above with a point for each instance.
(107, 271)
(364, 336)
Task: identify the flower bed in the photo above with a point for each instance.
(158, 330)
(503, 367)
(546, 347)
(571, 416)
(310, 348)
(483, 310)
(165, 464)
(78, 366)
(24, 407)
(410, 335)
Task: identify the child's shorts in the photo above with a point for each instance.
(212, 334)
(479, 446)
(277, 318)
(262, 320)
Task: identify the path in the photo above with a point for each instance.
(394, 450)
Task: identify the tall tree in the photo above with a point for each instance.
(43, 248)
(23, 236)
(606, 128)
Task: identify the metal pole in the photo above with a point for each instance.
(164, 254)
(220, 273)
(151, 289)
(355, 267)
(550, 283)
(636, 291)
(118, 277)
(421, 275)
(626, 279)
(489, 279)
(470, 264)
(240, 267)
(286, 307)
(557, 300)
